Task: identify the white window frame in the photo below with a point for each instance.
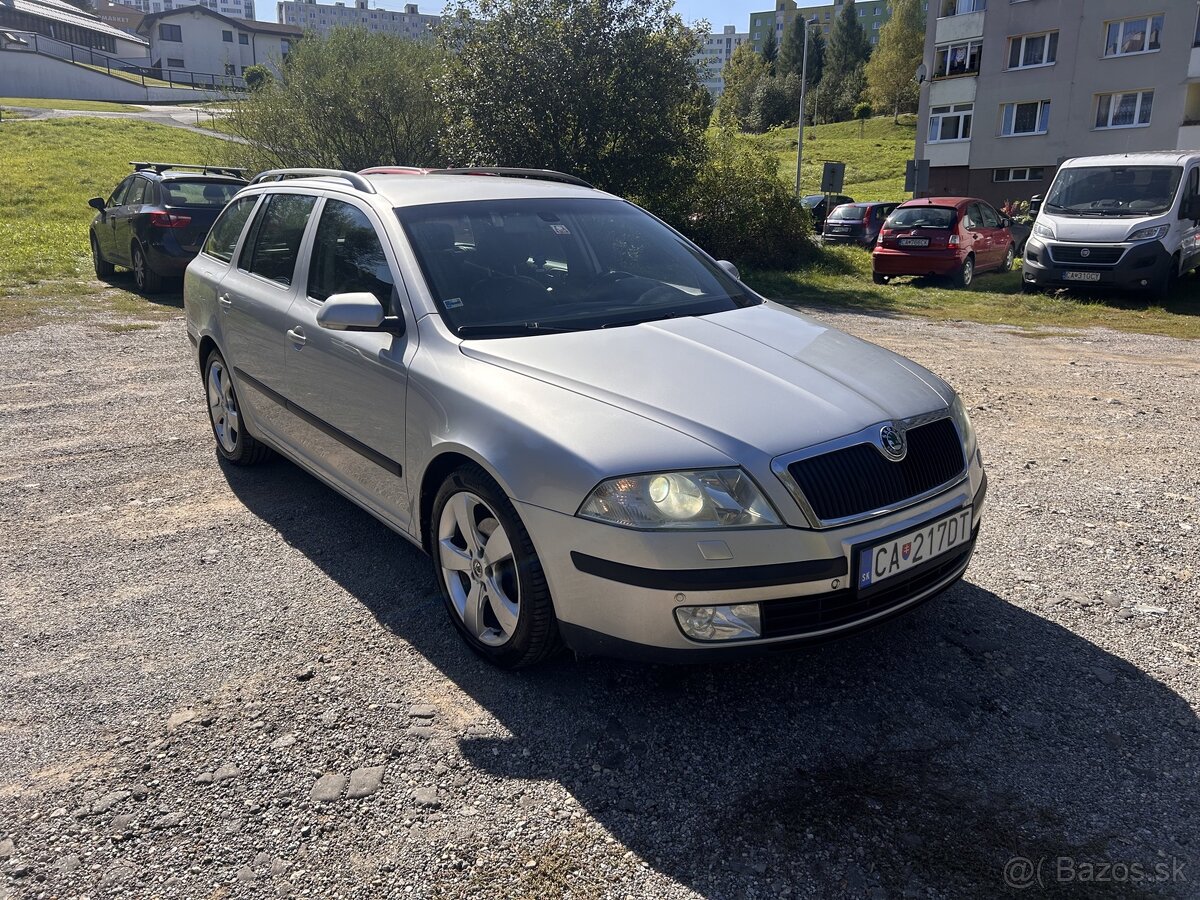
(1026, 174)
(1021, 40)
(1043, 117)
(1114, 103)
(949, 49)
(1147, 20)
(965, 112)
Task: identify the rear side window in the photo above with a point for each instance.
(850, 213)
(990, 218)
(274, 241)
(137, 193)
(348, 256)
(922, 217)
(225, 231)
(118, 196)
(213, 194)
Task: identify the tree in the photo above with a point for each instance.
(348, 100)
(772, 104)
(770, 49)
(741, 74)
(606, 89)
(847, 50)
(257, 76)
(816, 55)
(891, 70)
(791, 51)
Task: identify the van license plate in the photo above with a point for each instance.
(913, 242)
(1081, 276)
(893, 557)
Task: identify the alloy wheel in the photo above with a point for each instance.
(139, 268)
(477, 564)
(223, 407)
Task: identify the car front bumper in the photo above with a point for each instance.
(616, 590)
(1142, 266)
(916, 262)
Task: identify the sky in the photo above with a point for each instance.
(718, 12)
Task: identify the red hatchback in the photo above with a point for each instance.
(954, 237)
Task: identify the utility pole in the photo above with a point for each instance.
(803, 84)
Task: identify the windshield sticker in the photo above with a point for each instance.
(559, 229)
(452, 303)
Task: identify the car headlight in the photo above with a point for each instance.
(958, 412)
(1149, 234)
(1044, 231)
(708, 498)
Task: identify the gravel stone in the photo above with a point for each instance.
(427, 797)
(328, 788)
(7, 849)
(225, 773)
(364, 782)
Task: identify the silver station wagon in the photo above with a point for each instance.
(599, 434)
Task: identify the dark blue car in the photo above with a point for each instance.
(156, 220)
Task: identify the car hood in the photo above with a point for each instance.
(1100, 230)
(763, 379)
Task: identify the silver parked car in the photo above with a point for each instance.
(600, 435)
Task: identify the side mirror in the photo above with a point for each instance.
(1005, 222)
(1035, 204)
(97, 203)
(357, 312)
(730, 269)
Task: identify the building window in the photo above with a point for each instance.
(1025, 173)
(1133, 36)
(1127, 110)
(170, 33)
(957, 59)
(227, 37)
(1031, 117)
(1033, 50)
(244, 39)
(175, 63)
(950, 123)
(962, 7)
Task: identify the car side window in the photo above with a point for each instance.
(973, 217)
(1191, 191)
(228, 228)
(348, 256)
(136, 195)
(990, 217)
(273, 244)
(118, 196)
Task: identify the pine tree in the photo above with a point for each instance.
(891, 70)
(770, 50)
(791, 51)
(848, 49)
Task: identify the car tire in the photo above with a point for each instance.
(878, 278)
(104, 269)
(1170, 279)
(966, 273)
(234, 443)
(1029, 287)
(498, 600)
(1010, 257)
(145, 278)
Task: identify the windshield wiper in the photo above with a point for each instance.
(510, 329)
(643, 320)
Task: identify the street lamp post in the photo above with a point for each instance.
(803, 85)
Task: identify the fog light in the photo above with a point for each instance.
(720, 623)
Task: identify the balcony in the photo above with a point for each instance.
(960, 20)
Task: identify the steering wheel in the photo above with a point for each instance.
(657, 294)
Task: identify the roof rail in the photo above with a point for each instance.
(507, 172)
(161, 167)
(357, 181)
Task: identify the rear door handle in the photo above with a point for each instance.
(225, 300)
(296, 335)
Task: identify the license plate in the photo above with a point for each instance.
(1081, 276)
(841, 228)
(895, 556)
(913, 242)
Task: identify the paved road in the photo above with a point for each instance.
(184, 117)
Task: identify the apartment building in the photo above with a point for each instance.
(323, 17)
(240, 9)
(717, 48)
(1016, 86)
(871, 15)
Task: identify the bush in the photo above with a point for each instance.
(257, 77)
(772, 104)
(739, 209)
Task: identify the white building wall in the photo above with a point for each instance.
(323, 17)
(718, 47)
(203, 47)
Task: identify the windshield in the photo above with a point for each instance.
(1113, 190)
(200, 193)
(811, 200)
(921, 217)
(498, 268)
(849, 213)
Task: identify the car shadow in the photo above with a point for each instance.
(916, 759)
(171, 295)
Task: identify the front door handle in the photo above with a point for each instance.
(225, 300)
(296, 335)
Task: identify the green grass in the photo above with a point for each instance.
(842, 281)
(51, 169)
(874, 159)
(84, 105)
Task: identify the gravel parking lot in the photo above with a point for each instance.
(228, 683)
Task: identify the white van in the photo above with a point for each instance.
(1128, 221)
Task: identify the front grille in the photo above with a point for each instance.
(1096, 256)
(819, 612)
(859, 479)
